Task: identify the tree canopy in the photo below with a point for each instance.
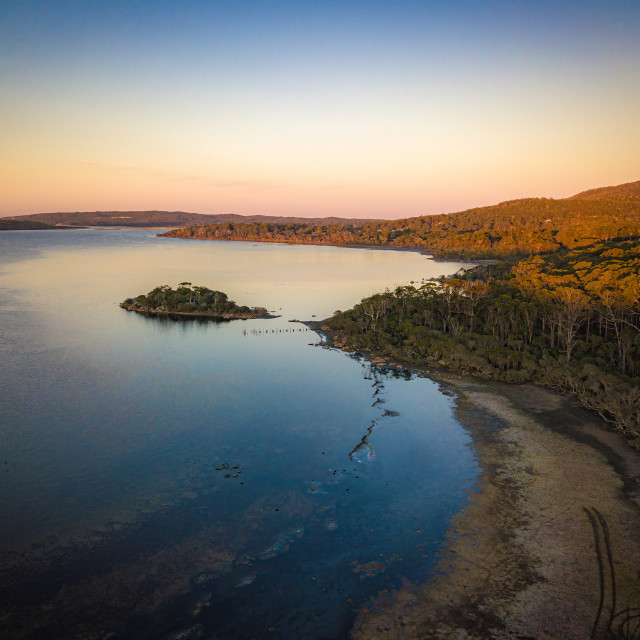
(191, 300)
(569, 320)
(517, 227)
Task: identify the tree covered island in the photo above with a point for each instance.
(188, 300)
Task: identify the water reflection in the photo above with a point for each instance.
(172, 475)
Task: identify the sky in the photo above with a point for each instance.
(314, 108)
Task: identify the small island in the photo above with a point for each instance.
(188, 300)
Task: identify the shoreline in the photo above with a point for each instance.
(521, 559)
(425, 252)
(148, 311)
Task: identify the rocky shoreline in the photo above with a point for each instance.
(257, 312)
(551, 530)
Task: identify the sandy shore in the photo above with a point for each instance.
(553, 529)
(521, 561)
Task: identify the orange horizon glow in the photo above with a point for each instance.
(415, 110)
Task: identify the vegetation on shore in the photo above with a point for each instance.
(192, 301)
(25, 225)
(560, 307)
(518, 227)
(568, 320)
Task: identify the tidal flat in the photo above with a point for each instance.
(548, 546)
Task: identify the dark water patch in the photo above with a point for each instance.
(36, 577)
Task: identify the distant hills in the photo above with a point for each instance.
(25, 225)
(619, 191)
(164, 219)
(515, 227)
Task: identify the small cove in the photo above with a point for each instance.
(165, 476)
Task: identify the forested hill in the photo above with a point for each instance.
(25, 225)
(619, 191)
(161, 219)
(569, 320)
(516, 227)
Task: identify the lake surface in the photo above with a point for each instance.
(194, 479)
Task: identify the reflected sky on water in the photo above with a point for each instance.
(260, 472)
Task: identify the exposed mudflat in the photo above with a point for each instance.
(522, 560)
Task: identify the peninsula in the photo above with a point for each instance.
(567, 320)
(188, 300)
(524, 227)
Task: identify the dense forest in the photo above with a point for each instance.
(569, 320)
(516, 227)
(190, 300)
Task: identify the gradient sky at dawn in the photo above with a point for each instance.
(357, 109)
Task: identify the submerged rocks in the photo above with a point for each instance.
(245, 580)
(192, 633)
(282, 544)
(368, 568)
(331, 524)
(278, 547)
(363, 451)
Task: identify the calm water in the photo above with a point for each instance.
(215, 480)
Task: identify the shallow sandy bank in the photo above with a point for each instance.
(522, 560)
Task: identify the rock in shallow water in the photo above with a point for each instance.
(245, 580)
(282, 543)
(192, 633)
